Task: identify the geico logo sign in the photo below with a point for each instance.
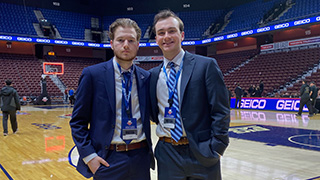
(93, 45)
(263, 29)
(253, 103)
(288, 105)
(206, 41)
(218, 38)
(78, 43)
(188, 43)
(253, 116)
(6, 37)
(281, 26)
(248, 129)
(318, 18)
(153, 44)
(24, 39)
(232, 35)
(60, 42)
(142, 44)
(43, 40)
(304, 21)
(247, 33)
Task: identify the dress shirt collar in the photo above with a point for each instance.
(116, 68)
(177, 60)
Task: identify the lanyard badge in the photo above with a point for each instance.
(129, 128)
(170, 113)
(128, 124)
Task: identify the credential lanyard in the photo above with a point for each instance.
(126, 96)
(171, 91)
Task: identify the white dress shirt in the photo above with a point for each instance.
(163, 94)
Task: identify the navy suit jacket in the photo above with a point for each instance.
(204, 107)
(95, 106)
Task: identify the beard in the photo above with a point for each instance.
(125, 57)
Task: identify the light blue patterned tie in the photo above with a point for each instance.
(176, 133)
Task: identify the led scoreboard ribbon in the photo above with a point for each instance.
(184, 43)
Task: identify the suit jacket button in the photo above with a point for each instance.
(113, 126)
(107, 147)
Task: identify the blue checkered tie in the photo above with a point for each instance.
(176, 133)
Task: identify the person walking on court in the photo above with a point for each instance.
(239, 93)
(110, 122)
(313, 96)
(10, 105)
(305, 99)
(189, 103)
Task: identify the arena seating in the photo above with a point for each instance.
(69, 24)
(301, 9)
(231, 60)
(16, 19)
(276, 69)
(148, 65)
(197, 22)
(247, 16)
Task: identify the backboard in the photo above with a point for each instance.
(53, 68)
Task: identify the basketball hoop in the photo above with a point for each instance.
(53, 68)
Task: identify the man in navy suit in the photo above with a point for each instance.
(110, 121)
(192, 128)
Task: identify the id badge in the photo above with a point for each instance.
(170, 117)
(129, 129)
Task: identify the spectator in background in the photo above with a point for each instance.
(229, 95)
(313, 96)
(251, 90)
(305, 99)
(261, 86)
(71, 96)
(239, 93)
(257, 92)
(66, 95)
(10, 105)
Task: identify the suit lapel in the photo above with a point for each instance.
(187, 70)
(140, 79)
(110, 83)
(153, 84)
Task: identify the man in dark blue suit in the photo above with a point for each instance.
(190, 108)
(110, 121)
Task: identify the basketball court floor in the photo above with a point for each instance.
(263, 145)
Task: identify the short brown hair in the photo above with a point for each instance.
(164, 14)
(8, 82)
(124, 22)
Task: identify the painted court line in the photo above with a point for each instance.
(315, 178)
(5, 172)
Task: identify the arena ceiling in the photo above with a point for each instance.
(119, 7)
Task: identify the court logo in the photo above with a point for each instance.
(49, 126)
(67, 116)
(248, 129)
